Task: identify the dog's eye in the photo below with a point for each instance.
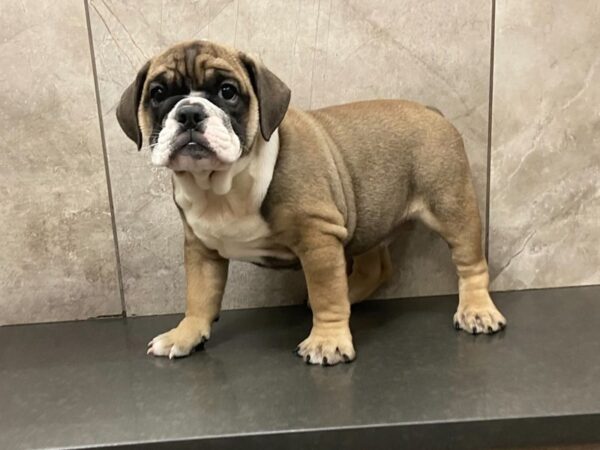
(157, 93)
(228, 92)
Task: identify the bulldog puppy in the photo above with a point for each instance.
(257, 181)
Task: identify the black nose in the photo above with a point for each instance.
(190, 116)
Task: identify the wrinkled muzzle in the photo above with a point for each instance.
(196, 135)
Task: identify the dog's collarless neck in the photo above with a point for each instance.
(248, 177)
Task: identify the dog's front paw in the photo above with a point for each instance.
(479, 319)
(180, 341)
(327, 346)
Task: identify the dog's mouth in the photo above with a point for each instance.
(192, 144)
(192, 152)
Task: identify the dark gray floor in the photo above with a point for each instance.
(416, 380)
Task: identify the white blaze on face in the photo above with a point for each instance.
(217, 131)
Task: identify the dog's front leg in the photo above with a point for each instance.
(324, 265)
(206, 273)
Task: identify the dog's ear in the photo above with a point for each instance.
(272, 93)
(127, 111)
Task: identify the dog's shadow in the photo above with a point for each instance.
(374, 319)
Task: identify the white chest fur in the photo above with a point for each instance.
(223, 209)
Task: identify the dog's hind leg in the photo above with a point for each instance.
(454, 214)
(369, 271)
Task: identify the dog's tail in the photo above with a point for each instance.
(434, 109)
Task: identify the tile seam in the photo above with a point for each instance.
(105, 159)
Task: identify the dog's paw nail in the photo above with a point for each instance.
(325, 363)
(217, 319)
(474, 330)
(457, 325)
(307, 359)
(490, 329)
(296, 350)
(502, 325)
(346, 358)
(200, 345)
(150, 351)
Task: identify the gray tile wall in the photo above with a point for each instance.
(545, 178)
(57, 256)
(544, 196)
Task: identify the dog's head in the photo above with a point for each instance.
(200, 106)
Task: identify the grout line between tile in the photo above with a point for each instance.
(105, 157)
(489, 143)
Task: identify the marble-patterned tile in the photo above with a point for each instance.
(58, 258)
(434, 52)
(148, 225)
(283, 33)
(545, 169)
